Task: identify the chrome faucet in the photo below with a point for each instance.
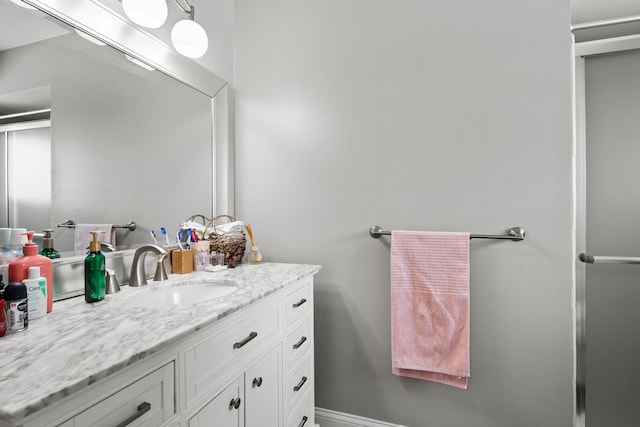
(107, 247)
(138, 276)
(104, 247)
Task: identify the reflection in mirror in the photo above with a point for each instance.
(26, 197)
(126, 143)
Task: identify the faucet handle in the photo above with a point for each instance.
(112, 282)
(161, 272)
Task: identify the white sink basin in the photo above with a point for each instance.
(181, 294)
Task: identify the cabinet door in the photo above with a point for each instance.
(225, 410)
(262, 391)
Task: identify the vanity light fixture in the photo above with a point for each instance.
(187, 36)
(146, 13)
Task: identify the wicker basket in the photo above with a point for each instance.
(192, 223)
(231, 244)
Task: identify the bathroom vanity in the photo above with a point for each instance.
(243, 357)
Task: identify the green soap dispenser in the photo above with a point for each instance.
(47, 245)
(95, 274)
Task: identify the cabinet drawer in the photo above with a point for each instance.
(298, 343)
(298, 385)
(303, 415)
(298, 303)
(146, 402)
(207, 361)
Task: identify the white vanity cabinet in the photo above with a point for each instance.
(275, 340)
(252, 368)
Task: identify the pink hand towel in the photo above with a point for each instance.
(430, 306)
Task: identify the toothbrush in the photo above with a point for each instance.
(186, 235)
(153, 234)
(166, 236)
(179, 240)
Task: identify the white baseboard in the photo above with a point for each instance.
(329, 418)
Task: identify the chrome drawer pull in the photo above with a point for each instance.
(299, 343)
(235, 403)
(300, 384)
(143, 408)
(257, 382)
(251, 336)
(303, 422)
(299, 303)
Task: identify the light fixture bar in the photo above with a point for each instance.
(26, 113)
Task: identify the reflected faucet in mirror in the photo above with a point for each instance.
(105, 247)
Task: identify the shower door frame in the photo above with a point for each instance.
(583, 50)
(6, 217)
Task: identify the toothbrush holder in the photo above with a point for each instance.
(182, 261)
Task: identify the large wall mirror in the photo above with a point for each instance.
(120, 143)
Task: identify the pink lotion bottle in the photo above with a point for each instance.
(19, 268)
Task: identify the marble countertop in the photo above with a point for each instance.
(78, 344)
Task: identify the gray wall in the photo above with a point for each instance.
(416, 115)
(216, 16)
(128, 144)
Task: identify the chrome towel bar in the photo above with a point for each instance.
(515, 234)
(131, 225)
(589, 259)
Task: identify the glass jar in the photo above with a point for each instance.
(255, 257)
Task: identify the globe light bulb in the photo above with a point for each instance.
(189, 38)
(146, 13)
